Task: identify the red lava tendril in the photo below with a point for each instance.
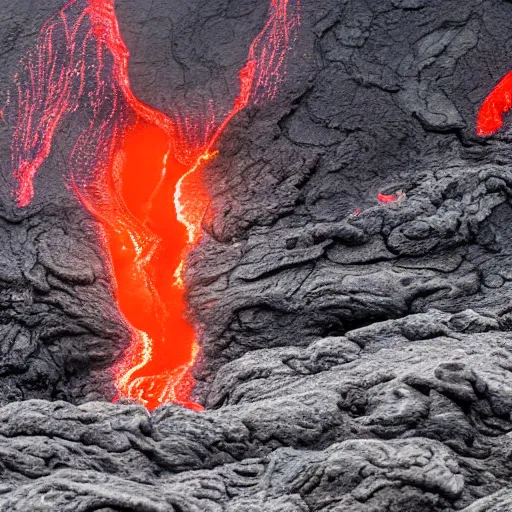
(496, 104)
(384, 198)
(137, 171)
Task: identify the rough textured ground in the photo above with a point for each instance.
(351, 362)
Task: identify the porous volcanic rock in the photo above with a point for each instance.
(356, 356)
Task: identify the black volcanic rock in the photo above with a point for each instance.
(356, 355)
(59, 324)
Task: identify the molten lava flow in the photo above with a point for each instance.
(147, 293)
(385, 198)
(137, 171)
(497, 103)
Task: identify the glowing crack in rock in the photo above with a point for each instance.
(390, 198)
(136, 170)
(495, 105)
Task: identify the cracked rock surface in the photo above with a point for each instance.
(356, 355)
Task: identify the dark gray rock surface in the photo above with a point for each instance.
(350, 362)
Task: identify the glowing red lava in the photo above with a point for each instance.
(495, 105)
(384, 198)
(137, 171)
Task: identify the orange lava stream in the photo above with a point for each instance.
(495, 105)
(137, 171)
(387, 198)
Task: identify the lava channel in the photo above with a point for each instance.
(137, 171)
(495, 105)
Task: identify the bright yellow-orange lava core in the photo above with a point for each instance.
(151, 297)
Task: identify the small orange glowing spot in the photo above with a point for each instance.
(391, 198)
(384, 198)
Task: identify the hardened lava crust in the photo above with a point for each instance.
(356, 354)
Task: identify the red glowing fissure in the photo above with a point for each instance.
(137, 171)
(495, 105)
(385, 198)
